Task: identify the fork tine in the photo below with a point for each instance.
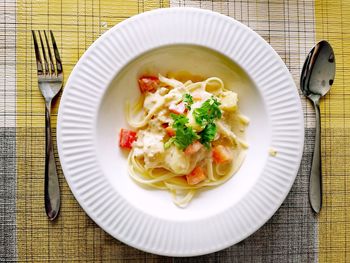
(37, 55)
(50, 56)
(44, 54)
(57, 54)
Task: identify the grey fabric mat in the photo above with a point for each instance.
(7, 194)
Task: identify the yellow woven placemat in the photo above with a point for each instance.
(290, 27)
(333, 24)
(73, 237)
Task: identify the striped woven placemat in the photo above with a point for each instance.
(333, 23)
(293, 234)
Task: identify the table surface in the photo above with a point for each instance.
(293, 234)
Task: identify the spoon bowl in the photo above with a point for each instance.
(316, 79)
(318, 71)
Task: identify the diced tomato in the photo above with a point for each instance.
(126, 138)
(221, 154)
(148, 83)
(196, 176)
(177, 108)
(170, 131)
(193, 148)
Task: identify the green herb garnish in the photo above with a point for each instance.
(180, 120)
(184, 135)
(208, 134)
(188, 100)
(208, 112)
(204, 116)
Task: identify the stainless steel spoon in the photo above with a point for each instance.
(316, 79)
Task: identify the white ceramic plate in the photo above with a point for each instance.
(91, 115)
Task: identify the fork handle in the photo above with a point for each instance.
(52, 188)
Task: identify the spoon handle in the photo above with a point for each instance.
(315, 191)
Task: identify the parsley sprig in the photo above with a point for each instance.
(188, 100)
(184, 135)
(208, 134)
(204, 116)
(208, 112)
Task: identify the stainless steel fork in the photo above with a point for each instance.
(50, 79)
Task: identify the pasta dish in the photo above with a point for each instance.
(186, 135)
